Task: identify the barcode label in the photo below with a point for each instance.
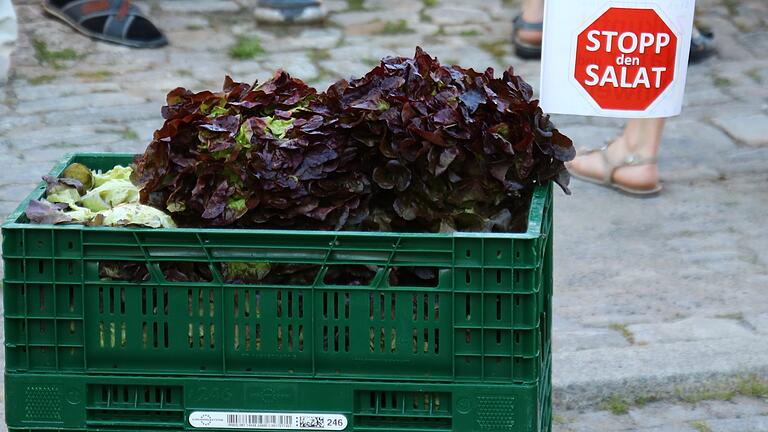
(259, 420)
(268, 421)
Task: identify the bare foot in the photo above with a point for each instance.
(641, 178)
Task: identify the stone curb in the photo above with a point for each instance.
(584, 379)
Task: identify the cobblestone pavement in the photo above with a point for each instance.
(653, 296)
(741, 414)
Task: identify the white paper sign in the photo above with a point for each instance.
(614, 58)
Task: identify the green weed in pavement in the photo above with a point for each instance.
(246, 48)
(494, 48)
(396, 27)
(129, 134)
(616, 404)
(317, 55)
(701, 426)
(97, 75)
(753, 387)
(356, 4)
(704, 395)
(625, 331)
(755, 75)
(45, 55)
(721, 81)
(642, 401)
(732, 6)
(41, 79)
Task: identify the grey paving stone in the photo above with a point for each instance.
(388, 5)
(76, 102)
(680, 427)
(87, 134)
(61, 89)
(101, 143)
(304, 39)
(188, 22)
(336, 5)
(344, 68)
(107, 114)
(562, 324)
(679, 138)
(589, 136)
(705, 96)
(467, 30)
(749, 92)
(746, 424)
(599, 420)
(759, 321)
(740, 72)
(348, 19)
(200, 40)
(585, 377)
(749, 129)
(457, 15)
(662, 414)
(192, 6)
(249, 71)
(14, 192)
(694, 328)
(738, 407)
(372, 53)
(586, 339)
(296, 64)
(757, 41)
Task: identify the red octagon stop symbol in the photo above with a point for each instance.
(625, 59)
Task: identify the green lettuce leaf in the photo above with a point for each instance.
(117, 173)
(80, 214)
(110, 194)
(134, 215)
(64, 195)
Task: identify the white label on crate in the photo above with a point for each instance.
(269, 421)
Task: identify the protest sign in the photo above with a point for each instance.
(615, 58)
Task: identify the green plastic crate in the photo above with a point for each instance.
(479, 339)
(101, 403)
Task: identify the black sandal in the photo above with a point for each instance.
(526, 50)
(116, 21)
(702, 46)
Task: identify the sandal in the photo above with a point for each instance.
(116, 21)
(610, 169)
(526, 50)
(290, 11)
(702, 45)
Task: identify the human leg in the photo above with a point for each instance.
(529, 30)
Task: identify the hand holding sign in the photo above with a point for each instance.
(621, 61)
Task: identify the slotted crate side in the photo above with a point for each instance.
(480, 320)
(313, 331)
(145, 403)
